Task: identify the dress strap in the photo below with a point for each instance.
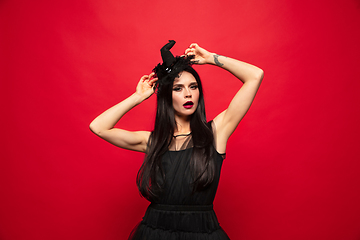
(168, 207)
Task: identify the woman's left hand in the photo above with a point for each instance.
(202, 56)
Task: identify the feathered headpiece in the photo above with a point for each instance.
(171, 66)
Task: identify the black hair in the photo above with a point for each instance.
(202, 159)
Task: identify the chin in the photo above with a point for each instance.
(185, 113)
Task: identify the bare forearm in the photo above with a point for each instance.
(242, 70)
(110, 117)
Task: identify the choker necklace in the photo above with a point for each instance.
(182, 135)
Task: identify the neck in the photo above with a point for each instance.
(182, 125)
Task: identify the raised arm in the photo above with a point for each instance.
(251, 76)
(103, 125)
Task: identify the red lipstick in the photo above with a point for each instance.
(188, 104)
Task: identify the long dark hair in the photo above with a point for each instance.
(202, 163)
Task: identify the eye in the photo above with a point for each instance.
(193, 87)
(176, 89)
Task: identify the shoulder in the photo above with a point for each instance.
(145, 135)
(219, 141)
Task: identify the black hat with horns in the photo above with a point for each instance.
(171, 66)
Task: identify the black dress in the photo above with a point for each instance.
(180, 214)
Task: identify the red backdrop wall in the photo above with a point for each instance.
(292, 169)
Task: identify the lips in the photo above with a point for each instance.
(188, 104)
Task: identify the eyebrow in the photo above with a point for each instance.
(179, 84)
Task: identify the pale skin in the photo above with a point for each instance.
(184, 89)
(225, 123)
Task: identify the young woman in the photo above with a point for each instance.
(184, 152)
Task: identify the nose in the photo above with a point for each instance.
(188, 93)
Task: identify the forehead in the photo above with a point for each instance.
(184, 77)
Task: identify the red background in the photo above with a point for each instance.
(292, 169)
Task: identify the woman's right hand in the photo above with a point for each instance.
(104, 124)
(145, 87)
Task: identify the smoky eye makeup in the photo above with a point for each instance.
(194, 85)
(177, 88)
